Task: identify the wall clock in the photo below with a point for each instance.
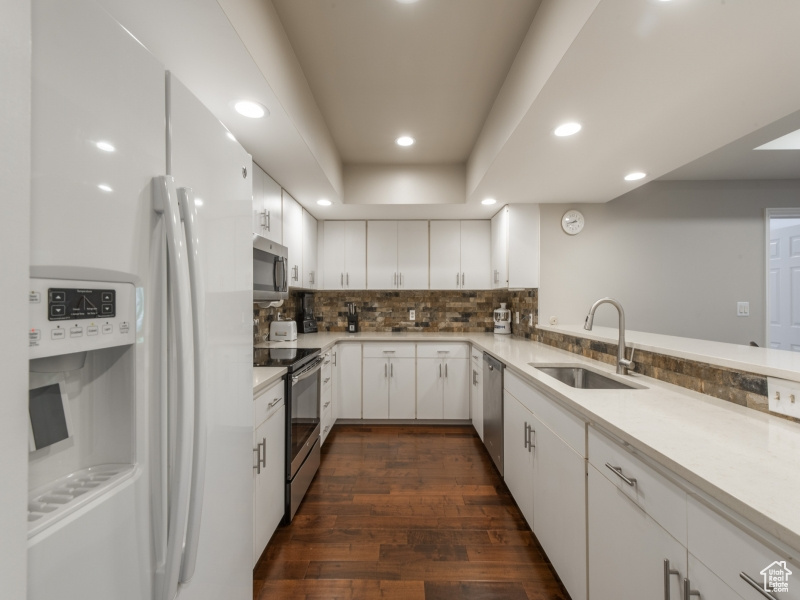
(572, 222)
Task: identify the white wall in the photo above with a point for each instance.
(404, 184)
(678, 255)
(15, 173)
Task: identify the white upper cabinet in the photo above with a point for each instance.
(515, 247)
(310, 276)
(460, 255)
(267, 206)
(345, 255)
(293, 238)
(397, 255)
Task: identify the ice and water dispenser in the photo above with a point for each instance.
(82, 394)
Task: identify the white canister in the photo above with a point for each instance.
(502, 320)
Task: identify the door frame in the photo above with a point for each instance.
(769, 214)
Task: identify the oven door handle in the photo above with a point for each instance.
(309, 371)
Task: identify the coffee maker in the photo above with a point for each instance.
(306, 323)
(352, 318)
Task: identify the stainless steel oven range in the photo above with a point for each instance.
(302, 417)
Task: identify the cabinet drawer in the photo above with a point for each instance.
(405, 350)
(569, 427)
(728, 551)
(477, 355)
(443, 351)
(326, 398)
(327, 365)
(268, 402)
(661, 499)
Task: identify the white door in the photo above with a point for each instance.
(710, 586)
(333, 252)
(412, 255)
(375, 388)
(293, 238)
(309, 251)
(269, 487)
(382, 255)
(517, 458)
(627, 548)
(500, 249)
(476, 391)
(402, 388)
(355, 255)
(784, 284)
(259, 211)
(272, 202)
(475, 255)
(347, 380)
(430, 374)
(456, 388)
(559, 506)
(445, 240)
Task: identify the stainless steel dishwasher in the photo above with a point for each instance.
(493, 408)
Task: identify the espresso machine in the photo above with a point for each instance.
(306, 323)
(352, 318)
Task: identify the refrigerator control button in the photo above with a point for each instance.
(58, 296)
(57, 310)
(58, 334)
(34, 298)
(107, 309)
(76, 331)
(108, 328)
(107, 296)
(124, 327)
(92, 330)
(34, 335)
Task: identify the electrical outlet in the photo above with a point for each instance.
(784, 396)
(553, 320)
(742, 309)
(412, 314)
(517, 317)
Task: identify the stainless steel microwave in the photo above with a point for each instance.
(270, 277)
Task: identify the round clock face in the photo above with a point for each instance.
(572, 222)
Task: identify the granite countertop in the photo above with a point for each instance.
(746, 460)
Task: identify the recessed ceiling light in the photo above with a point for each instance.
(198, 202)
(324, 202)
(105, 188)
(407, 1)
(404, 140)
(567, 129)
(248, 108)
(635, 176)
(488, 201)
(105, 146)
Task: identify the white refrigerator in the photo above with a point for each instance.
(140, 475)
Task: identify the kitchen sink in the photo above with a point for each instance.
(582, 378)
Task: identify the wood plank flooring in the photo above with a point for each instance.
(407, 513)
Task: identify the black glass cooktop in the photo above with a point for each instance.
(292, 358)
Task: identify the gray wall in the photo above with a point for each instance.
(678, 255)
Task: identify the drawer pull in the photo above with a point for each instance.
(273, 403)
(618, 472)
(667, 573)
(756, 586)
(688, 591)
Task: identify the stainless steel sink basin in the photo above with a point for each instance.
(579, 377)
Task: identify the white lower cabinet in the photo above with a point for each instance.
(327, 412)
(388, 381)
(346, 391)
(443, 381)
(517, 459)
(269, 450)
(476, 390)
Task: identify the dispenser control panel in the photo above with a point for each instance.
(74, 316)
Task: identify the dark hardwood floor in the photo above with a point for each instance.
(406, 513)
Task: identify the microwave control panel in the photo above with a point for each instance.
(74, 316)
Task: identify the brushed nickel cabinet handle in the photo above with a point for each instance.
(667, 572)
(618, 472)
(756, 586)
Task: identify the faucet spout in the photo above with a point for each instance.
(623, 364)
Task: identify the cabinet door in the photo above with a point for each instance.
(517, 458)
(269, 484)
(355, 255)
(259, 219)
(333, 252)
(627, 548)
(412, 255)
(430, 375)
(375, 388)
(500, 249)
(402, 388)
(476, 391)
(475, 255)
(382, 255)
(309, 251)
(445, 261)
(293, 238)
(559, 506)
(456, 388)
(273, 203)
(347, 381)
(711, 587)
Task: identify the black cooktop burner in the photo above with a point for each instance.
(292, 358)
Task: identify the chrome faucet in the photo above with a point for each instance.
(622, 363)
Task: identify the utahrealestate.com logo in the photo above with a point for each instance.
(776, 577)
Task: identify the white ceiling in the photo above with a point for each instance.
(379, 69)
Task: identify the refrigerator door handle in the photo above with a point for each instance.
(165, 202)
(197, 286)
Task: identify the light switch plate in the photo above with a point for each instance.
(784, 396)
(742, 309)
(412, 314)
(517, 318)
